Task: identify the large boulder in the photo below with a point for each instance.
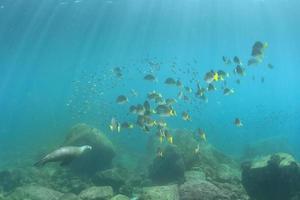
(99, 158)
(169, 192)
(34, 192)
(168, 168)
(97, 193)
(201, 190)
(187, 144)
(215, 164)
(273, 177)
(114, 177)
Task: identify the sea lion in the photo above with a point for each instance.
(65, 155)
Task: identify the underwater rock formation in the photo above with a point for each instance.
(99, 158)
(273, 177)
(201, 190)
(194, 175)
(197, 178)
(169, 192)
(211, 161)
(120, 197)
(186, 144)
(69, 196)
(168, 168)
(114, 177)
(34, 192)
(97, 193)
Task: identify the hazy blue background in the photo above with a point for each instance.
(47, 44)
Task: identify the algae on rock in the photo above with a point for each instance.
(273, 177)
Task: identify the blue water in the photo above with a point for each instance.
(54, 51)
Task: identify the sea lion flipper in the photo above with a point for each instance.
(66, 162)
(40, 163)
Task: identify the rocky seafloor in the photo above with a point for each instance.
(179, 175)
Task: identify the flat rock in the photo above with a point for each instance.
(120, 197)
(97, 193)
(194, 175)
(169, 192)
(34, 192)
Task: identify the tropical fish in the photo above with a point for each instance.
(258, 49)
(160, 123)
(127, 125)
(228, 91)
(180, 95)
(159, 100)
(147, 105)
(171, 101)
(239, 70)
(238, 122)
(222, 75)
(237, 60)
(188, 89)
(149, 77)
(211, 87)
(140, 109)
(185, 116)
(149, 122)
(226, 60)
(153, 95)
(211, 77)
(202, 135)
(117, 72)
(115, 125)
(254, 61)
(165, 110)
(170, 139)
(122, 99)
(159, 152)
(200, 92)
(133, 109)
(170, 81)
(179, 83)
(197, 149)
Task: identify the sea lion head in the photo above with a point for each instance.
(86, 148)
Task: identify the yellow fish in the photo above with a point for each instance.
(170, 139)
(173, 112)
(161, 139)
(203, 136)
(159, 153)
(216, 76)
(197, 149)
